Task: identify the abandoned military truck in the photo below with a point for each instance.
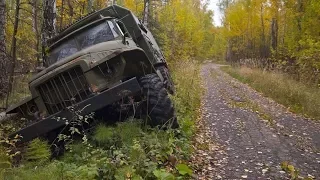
(104, 58)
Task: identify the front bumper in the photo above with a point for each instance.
(94, 103)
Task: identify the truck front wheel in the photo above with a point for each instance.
(157, 108)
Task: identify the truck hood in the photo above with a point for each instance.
(111, 46)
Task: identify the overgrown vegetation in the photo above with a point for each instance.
(127, 150)
(297, 96)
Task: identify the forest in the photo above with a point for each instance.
(279, 35)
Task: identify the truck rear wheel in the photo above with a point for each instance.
(157, 108)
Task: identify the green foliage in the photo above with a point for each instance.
(38, 151)
(184, 169)
(128, 131)
(137, 156)
(163, 175)
(5, 162)
(50, 172)
(127, 172)
(103, 134)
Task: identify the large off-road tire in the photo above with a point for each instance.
(157, 107)
(167, 80)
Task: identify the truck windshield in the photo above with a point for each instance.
(98, 33)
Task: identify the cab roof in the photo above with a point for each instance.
(110, 11)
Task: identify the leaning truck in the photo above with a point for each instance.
(99, 61)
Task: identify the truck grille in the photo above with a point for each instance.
(64, 90)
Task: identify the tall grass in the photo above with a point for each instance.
(297, 96)
(187, 98)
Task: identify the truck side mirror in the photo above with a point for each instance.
(124, 37)
(123, 30)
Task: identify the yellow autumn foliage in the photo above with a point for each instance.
(183, 28)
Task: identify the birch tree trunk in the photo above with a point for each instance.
(49, 23)
(49, 19)
(146, 12)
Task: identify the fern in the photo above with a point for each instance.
(38, 151)
(103, 134)
(128, 131)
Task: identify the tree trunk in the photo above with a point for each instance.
(276, 5)
(71, 12)
(49, 23)
(49, 19)
(274, 33)
(299, 20)
(2, 28)
(3, 55)
(263, 51)
(13, 48)
(146, 13)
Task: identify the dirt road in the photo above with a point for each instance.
(255, 135)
